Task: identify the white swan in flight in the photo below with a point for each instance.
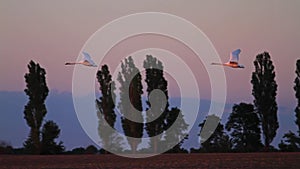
(233, 61)
(87, 61)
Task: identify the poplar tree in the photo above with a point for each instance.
(291, 140)
(35, 110)
(159, 107)
(39, 141)
(130, 105)
(105, 105)
(297, 94)
(264, 92)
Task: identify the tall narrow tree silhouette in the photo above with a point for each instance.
(213, 140)
(106, 113)
(35, 110)
(264, 92)
(157, 104)
(243, 125)
(39, 142)
(292, 140)
(297, 94)
(130, 105)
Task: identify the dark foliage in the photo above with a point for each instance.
(79, 150)
(297, 94)
(243, 125)
(39, 142)
(131, 91)
(106, 103)
(35, 110)
(106, 113)
(157, 106)
(176, 131)
(291, 141)
(50, 132)
(5, 148)
(91, 149)
(213, 137)
(264, 92)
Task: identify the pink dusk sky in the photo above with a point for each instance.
(53, 32)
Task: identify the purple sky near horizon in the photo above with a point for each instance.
(53, 32)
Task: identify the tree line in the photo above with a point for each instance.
(248, 122)
(251, 127)
(159, 116)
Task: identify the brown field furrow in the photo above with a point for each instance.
(209, 161)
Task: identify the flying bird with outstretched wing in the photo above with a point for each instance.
(233, 61)
(86, 61)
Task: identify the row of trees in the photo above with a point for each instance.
(242, 132)
(247, 122)
(159, 117)
(6, 148)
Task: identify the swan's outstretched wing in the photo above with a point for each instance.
(234, 56)
(88, 58)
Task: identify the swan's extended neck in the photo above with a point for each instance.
(71, 63)
(217, 63)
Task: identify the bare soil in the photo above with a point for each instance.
(203, 160)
